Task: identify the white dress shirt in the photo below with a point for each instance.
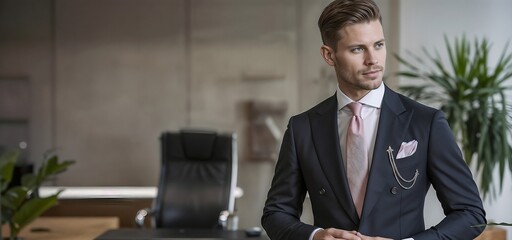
(370, 114)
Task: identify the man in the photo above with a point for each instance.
(405, 148)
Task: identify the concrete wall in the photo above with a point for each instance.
(26, 52)
(107, 77)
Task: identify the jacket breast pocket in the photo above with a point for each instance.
(406, 170)
(407, 162)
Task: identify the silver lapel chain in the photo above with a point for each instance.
(397, 174)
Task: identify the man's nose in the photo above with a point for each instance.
(370, 59)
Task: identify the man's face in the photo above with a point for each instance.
(359, 59)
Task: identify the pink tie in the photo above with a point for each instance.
(357, 157)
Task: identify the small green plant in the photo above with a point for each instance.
(471, 90)
(494, 224)
(20, 205)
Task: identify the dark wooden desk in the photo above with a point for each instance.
(121, 202)
(149, 233)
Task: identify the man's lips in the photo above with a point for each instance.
(373, 71)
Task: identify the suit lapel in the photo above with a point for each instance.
(326, 140)
(394, 120)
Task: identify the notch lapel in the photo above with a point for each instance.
(324, 132)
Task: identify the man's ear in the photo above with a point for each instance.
(328, 54)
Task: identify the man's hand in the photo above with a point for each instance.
(363, 237)
(336, 234)
(339, 234)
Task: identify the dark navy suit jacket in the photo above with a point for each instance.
(310, 162)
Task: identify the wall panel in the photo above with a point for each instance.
(120, 82)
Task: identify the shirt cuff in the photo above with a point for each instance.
(316, 230)
(408, 239)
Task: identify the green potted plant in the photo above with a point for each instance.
(20, 205)
(471, 91)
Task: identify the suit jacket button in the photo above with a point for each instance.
(322, 191)
(394, 190)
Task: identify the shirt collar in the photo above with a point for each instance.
(373, 98)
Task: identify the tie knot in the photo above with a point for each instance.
(355, 107)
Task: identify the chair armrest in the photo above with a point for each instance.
(223, 219)
(140, 217)
(228, 220)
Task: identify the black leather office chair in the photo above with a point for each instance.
(197, 181)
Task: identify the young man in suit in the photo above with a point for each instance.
(406, 148)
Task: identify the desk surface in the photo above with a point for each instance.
(66, 228)
(148, 233)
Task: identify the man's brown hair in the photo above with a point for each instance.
(341, 13)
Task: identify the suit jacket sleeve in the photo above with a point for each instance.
(283, 208)
(454, 185)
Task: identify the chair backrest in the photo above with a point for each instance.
(197, 179)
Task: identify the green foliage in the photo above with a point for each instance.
(493, 224)
(499, 224)
(7, 163)
(19, 204)
(471, 92)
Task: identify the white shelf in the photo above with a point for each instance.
(100, 192)
(108, 192)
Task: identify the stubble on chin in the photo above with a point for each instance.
(371, 83)
(360, 83)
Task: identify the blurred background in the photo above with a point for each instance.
(100, 80)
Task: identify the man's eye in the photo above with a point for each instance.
(357, 50)
(379, 45)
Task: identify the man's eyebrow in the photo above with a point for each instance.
(363, 45)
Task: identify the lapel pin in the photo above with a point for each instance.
(401, 180)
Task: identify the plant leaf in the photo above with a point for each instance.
(14, 197)
(493, 224)
(50, 167)
(7, 163)
(471, 92)
(32, 209)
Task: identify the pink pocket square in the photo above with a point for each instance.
(407, 149)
